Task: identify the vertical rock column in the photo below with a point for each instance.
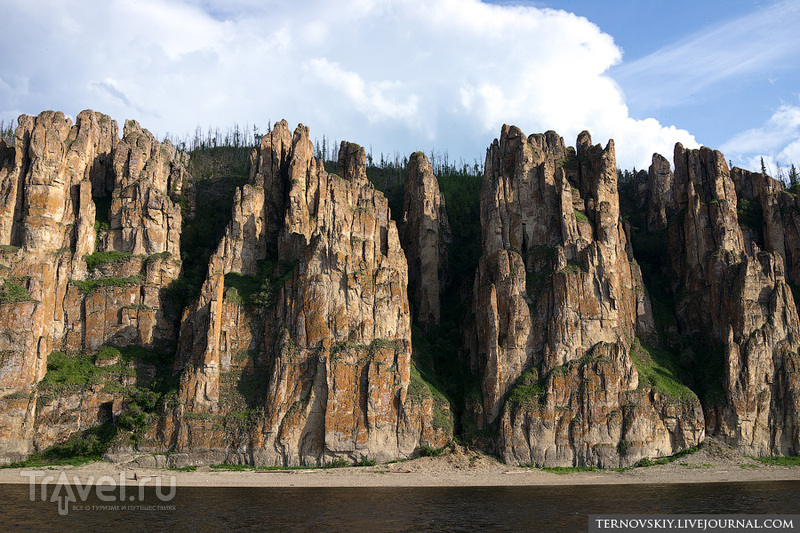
(425, 234)
(729, 289)
(331, 337)
(558, 304)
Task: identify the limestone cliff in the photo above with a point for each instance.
(66, 286)
(727, 248)
(425, 234)
(769, 216)
(324, 341)
(298, 348)
(559, 303)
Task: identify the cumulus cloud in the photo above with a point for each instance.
(777, 141)
(399, 75)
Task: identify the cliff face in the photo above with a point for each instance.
(325, 341)
(425, 234)
(728, 235)
(59, 293)
(769, 216)
(298, 348)
(558, 304)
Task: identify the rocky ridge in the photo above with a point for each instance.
(729, 283)
(298, 350)
(329, 332)
(559, 304)
(73, 283)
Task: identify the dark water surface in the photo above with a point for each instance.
(559, 508)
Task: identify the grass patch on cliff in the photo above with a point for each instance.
(8, 249)
(581, 217)
(529, 390)
(425, 381)
(113, 367)
(84, 447)
(646, 461)
(69, 372)
(657, 369)
(101, 258)
(420, 389)
(259, 290)
(88, 287)
(77, 371)
(11, 292)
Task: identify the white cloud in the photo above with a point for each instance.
(395, 74)
(374, 100)
(777, 142)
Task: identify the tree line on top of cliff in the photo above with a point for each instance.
(7, 131)
(219, 162)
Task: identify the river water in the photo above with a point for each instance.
(556, 509)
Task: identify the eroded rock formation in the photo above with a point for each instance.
(327, 337)
(298, 349)
(425, 234)
(59, 293)
(731, 294)
(559, 303)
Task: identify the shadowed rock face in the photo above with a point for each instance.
(330, 345)
(770, 218)
(49, 181)
(558, 304)
(729, 281)
(425, 234)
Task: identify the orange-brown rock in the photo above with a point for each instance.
(557, 294)
(326, 339)
(425, 234)
(143, 218)
(49, 181)
(769, 217)
(732, 293)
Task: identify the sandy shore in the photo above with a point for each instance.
(461, 468)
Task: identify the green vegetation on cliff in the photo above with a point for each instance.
(672, 363)
(13, 291)
(142, 378)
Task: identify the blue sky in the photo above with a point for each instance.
(405, 75)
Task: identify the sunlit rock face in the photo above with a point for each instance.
(559, 303)
(325, 344)
(80, 278)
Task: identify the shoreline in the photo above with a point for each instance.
(462, 468)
